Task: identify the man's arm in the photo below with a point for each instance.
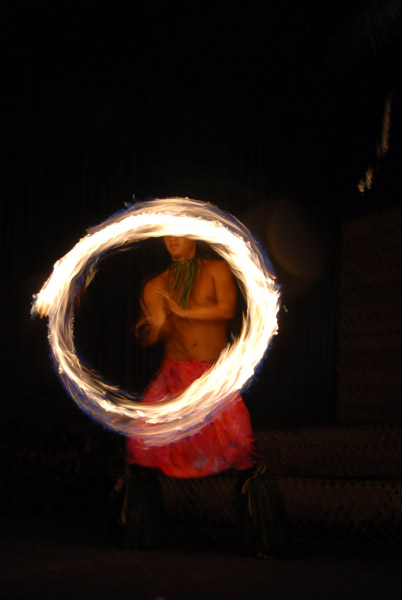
(225, 306)
(148, 329)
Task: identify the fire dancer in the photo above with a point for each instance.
(189, 307)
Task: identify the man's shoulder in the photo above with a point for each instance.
(215, 265)
(157, 282)
(213, 262)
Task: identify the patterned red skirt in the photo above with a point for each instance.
(227, 442)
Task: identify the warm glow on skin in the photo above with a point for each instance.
(187, 220)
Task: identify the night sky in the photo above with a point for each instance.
(271, 112)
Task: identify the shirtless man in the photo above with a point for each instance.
(194, 331)
(198, 330)
(191, 318)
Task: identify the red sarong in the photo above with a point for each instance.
(227, 442)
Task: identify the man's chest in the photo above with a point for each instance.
(203, 291)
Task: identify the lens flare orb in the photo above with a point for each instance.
(186, 414)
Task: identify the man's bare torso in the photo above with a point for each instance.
(199, 338)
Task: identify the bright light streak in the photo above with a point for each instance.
(174, 419)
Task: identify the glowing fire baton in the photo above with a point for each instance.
(186, 414)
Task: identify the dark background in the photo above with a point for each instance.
(272, 112)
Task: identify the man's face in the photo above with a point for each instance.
(179, 248)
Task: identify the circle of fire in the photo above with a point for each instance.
(176, 418)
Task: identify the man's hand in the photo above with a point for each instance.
(172, 305)
(150, 327)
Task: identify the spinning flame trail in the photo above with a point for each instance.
(171, 420)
